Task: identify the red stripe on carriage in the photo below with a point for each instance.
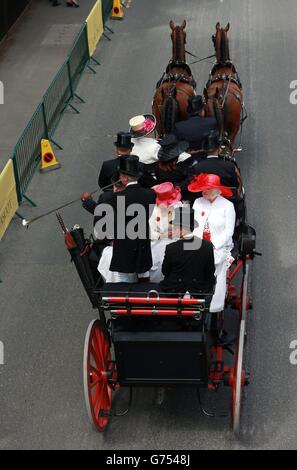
(154, 312)
(153, 300)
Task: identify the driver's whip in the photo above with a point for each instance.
(26, 223)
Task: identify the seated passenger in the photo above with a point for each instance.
(225, 169)
(124, 146)
(197, 127)
(188, 264)
(167, 168)
(216, 221)
(168, 198)
(145, 145)
(131, 210)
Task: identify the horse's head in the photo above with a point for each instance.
(178, 37)
(221, 44)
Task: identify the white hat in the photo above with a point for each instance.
(142, 125)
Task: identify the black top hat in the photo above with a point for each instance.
(130, 166)
(184, 217)
(171, 148)
(211, 141)
(124, 140)
(195, 104)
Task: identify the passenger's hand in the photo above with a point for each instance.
(85, 196)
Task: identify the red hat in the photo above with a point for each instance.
(204, 182)
(167, 194)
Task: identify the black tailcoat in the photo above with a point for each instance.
(132, 256)
(188, 269)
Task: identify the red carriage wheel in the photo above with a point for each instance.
(237, 374)
(97, 368)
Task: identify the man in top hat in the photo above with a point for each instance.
(145, 145)
(189, 262)
(124, 146)
(227, 170)
(132, 257)
(195, 129)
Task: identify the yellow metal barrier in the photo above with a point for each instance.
(94, 26)
(8, 197)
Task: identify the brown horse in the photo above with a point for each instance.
(176, 85)
(223, 92)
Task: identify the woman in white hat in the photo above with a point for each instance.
(145, 145)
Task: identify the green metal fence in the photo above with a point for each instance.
(106, 9)
(78, 57)
(59, 95)
(26, 154)
(56, 98)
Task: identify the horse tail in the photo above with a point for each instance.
(170, 111)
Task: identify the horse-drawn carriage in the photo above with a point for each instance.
(143, 337)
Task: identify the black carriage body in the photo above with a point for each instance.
(160, 351)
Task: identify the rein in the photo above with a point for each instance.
(200, 59)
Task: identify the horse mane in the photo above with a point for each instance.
(224, 52)
(178, 45)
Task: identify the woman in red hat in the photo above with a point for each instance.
(168, 198)
(216, 218)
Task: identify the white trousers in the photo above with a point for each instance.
(115, 276)
(218, 300)
(155, 273)
(221, 258)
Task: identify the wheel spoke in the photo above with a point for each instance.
(96, 357)
(97, 396)
(98, 336)
(96, 377)
(100, 399)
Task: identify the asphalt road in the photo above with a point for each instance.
(44, 311)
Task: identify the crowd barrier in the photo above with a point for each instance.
(8, 197)
(59, 95)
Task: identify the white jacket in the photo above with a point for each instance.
(146, 148)
(221, 219)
